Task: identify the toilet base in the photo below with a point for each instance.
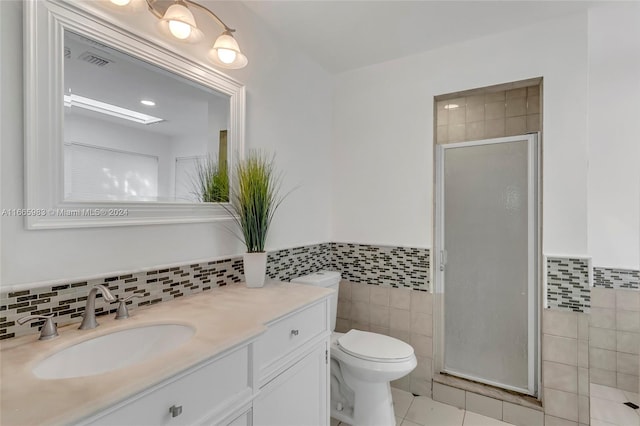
(373, 405)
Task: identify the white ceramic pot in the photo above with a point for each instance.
(255, 269)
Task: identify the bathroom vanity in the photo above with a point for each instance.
(252, 352)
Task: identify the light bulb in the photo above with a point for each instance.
(121, 2)
(179, 29)
(227, 55)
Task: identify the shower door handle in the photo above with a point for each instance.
(443, 259)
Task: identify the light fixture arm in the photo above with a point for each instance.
(151, 3)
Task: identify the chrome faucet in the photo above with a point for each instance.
(89, 319)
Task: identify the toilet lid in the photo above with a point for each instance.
(374, 347)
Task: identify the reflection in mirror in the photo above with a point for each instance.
(136, 132)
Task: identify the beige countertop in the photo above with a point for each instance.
(222, 318)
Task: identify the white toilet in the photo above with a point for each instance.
(362, 365)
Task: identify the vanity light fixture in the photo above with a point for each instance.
(178, 21)
(109, 109)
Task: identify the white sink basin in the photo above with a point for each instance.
(113, 351)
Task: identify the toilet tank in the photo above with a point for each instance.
(328, 279)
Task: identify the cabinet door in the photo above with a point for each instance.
(298, 396)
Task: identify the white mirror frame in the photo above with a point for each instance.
(45, 207)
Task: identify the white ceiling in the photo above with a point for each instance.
(344, 35)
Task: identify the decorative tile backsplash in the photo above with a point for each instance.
(295, 262)
(67, 301)
(616, 278)
(382, 265)
(386, 266)
(568, 284)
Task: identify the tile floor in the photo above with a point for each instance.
(420, 411)
(607, 408)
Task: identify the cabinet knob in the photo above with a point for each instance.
(294, 332)
(175, 410)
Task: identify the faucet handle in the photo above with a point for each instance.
(48, 330)
(123, 311)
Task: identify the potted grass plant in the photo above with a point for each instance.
(211, 181)
(254, 201)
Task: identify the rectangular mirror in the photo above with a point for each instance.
(135, 132)
(122, 129)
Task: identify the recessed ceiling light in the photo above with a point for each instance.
(147, 102)
(72, 100)
(451, 106)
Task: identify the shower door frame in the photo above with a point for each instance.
(534, 245)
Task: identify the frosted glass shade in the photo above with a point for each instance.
(226, 52)
(180, 20)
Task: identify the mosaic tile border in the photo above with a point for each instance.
(377, 265)
(568, 284)
(616, 278)
(387, 266)
(287, 264)
(67, 301)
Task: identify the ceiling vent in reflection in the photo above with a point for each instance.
(67, 52)
(94, 59)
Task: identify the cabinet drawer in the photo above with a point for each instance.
(288, 334)
(199, 393)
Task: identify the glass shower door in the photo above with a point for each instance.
(488, 257)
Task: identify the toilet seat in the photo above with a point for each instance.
(374, 347)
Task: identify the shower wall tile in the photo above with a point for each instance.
(616, 278)
(568, 284)
(614, 344)
(488, 114)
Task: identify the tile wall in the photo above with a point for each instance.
(403, 267)
(614, 343)
(568, 284)
(565, 367)
(616, 278)
(488, 115)
(398, 312)
(382, 266)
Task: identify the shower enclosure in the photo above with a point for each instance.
(487, 261)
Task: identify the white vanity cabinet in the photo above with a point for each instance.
(203, 394)
(293, 359)
(279, 378)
